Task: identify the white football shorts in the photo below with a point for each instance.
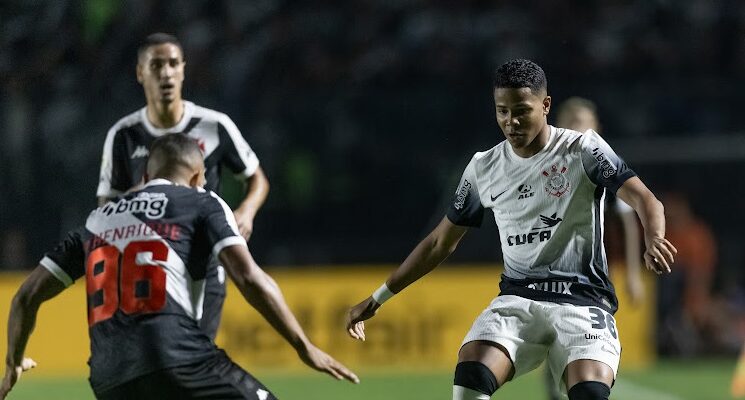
(534, 331)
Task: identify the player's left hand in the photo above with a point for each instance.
(358, 314)
(13, 374)
(660, 254)
(320, 361)
(245, 223)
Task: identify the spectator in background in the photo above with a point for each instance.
(685, 309)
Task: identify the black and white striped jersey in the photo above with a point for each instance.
(128, 142)
(144, 259)
(549, 211)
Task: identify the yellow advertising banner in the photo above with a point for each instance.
(419, 329)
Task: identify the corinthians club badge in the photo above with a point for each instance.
(557, 184)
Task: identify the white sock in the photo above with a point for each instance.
(464, 393)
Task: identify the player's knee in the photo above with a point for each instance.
(589, 390)
(475, 376)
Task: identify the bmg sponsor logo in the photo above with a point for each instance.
(153, 205)
(606, 167)
(460, 198)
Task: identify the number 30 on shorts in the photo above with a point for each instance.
(114, 279)
(602, 320)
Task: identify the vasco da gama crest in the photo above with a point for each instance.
(557, 183)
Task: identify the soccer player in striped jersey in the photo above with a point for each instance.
(160, 71)
(143, 258)
(545, 187)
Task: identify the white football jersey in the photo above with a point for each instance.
(549, 211)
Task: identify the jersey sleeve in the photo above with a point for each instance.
(221, 228)
(602, 165)
(466, 208)
(67, 260)
(238, 155)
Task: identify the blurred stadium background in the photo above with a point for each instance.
(363, 114)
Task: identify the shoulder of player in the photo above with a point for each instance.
(575, 141)
(483, 160)
(125, 122)
(211, 115)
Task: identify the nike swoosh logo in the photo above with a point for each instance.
(609, 349)
(495, 197)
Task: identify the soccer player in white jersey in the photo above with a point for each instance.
(160, 71)
(545, 188)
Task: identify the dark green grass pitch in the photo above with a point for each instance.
(668, 380)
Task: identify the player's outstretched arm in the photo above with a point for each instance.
(263, 293)
(258, 189)
(39, 287)
(425, 257)
(660, 253)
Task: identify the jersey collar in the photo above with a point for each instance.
(188, 113)
(158, 181)
(513, 156)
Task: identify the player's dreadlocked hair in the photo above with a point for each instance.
(520, 73)
(158, 38)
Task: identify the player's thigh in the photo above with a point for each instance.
(510, 337)
(586, 371)
(220, 378)
(587, 345)
(491, 354)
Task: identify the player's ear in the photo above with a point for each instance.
(145, 177)
(138, 72)
(197, 179)
(546, 105)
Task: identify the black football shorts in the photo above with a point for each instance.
(217, 378)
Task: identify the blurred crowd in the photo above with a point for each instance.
(363, 113)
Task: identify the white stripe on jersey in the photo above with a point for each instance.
(55, 270)
(245, 152)
(107, 158)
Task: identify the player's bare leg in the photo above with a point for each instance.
(588, 380)
(482, 367)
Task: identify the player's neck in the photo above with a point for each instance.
(175, 179)
(165, 115)
(536, 145)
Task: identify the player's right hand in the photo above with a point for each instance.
(359, 313)
(320, 361)
(13, 374)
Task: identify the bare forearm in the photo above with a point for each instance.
(21, 322)
(257, 191)
(425, 257)
(652, 216)
(263, 293)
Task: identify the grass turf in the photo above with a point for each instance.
(668, 380)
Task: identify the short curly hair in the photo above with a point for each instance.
(520, 73)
